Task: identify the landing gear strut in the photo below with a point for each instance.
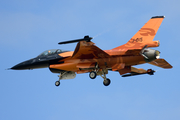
(106, 81)
(102, 73)
(57, 83)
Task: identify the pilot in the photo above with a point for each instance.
(49, 52)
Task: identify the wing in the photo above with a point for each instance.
(87, 50)
(161, 63)
(144, 36)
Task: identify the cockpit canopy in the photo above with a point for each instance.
(51, 52)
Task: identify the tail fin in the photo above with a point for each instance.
(145, 35)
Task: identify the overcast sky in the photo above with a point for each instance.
(27, 28)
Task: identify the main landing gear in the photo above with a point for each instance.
(106, 82)
(102, 73)
(92, 75)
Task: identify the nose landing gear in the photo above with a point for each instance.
(57, 83)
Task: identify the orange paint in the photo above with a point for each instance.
(86, 55)
(66, 54)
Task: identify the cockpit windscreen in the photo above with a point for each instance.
(51, 51)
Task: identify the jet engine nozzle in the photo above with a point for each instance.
(150, 54)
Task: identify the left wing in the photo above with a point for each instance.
(87, 50)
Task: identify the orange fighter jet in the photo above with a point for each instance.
(88, 58)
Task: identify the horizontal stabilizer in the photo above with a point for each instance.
(161, 63)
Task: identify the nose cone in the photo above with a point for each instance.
(19, 66)
(23, 66)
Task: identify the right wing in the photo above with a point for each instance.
(161, 63)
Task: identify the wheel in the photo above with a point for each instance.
(57, 83)
(92, 75)
(106, 82)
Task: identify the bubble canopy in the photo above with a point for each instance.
(51, 52)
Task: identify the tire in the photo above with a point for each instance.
(57, 83)
(106, 82)
(92, 75)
